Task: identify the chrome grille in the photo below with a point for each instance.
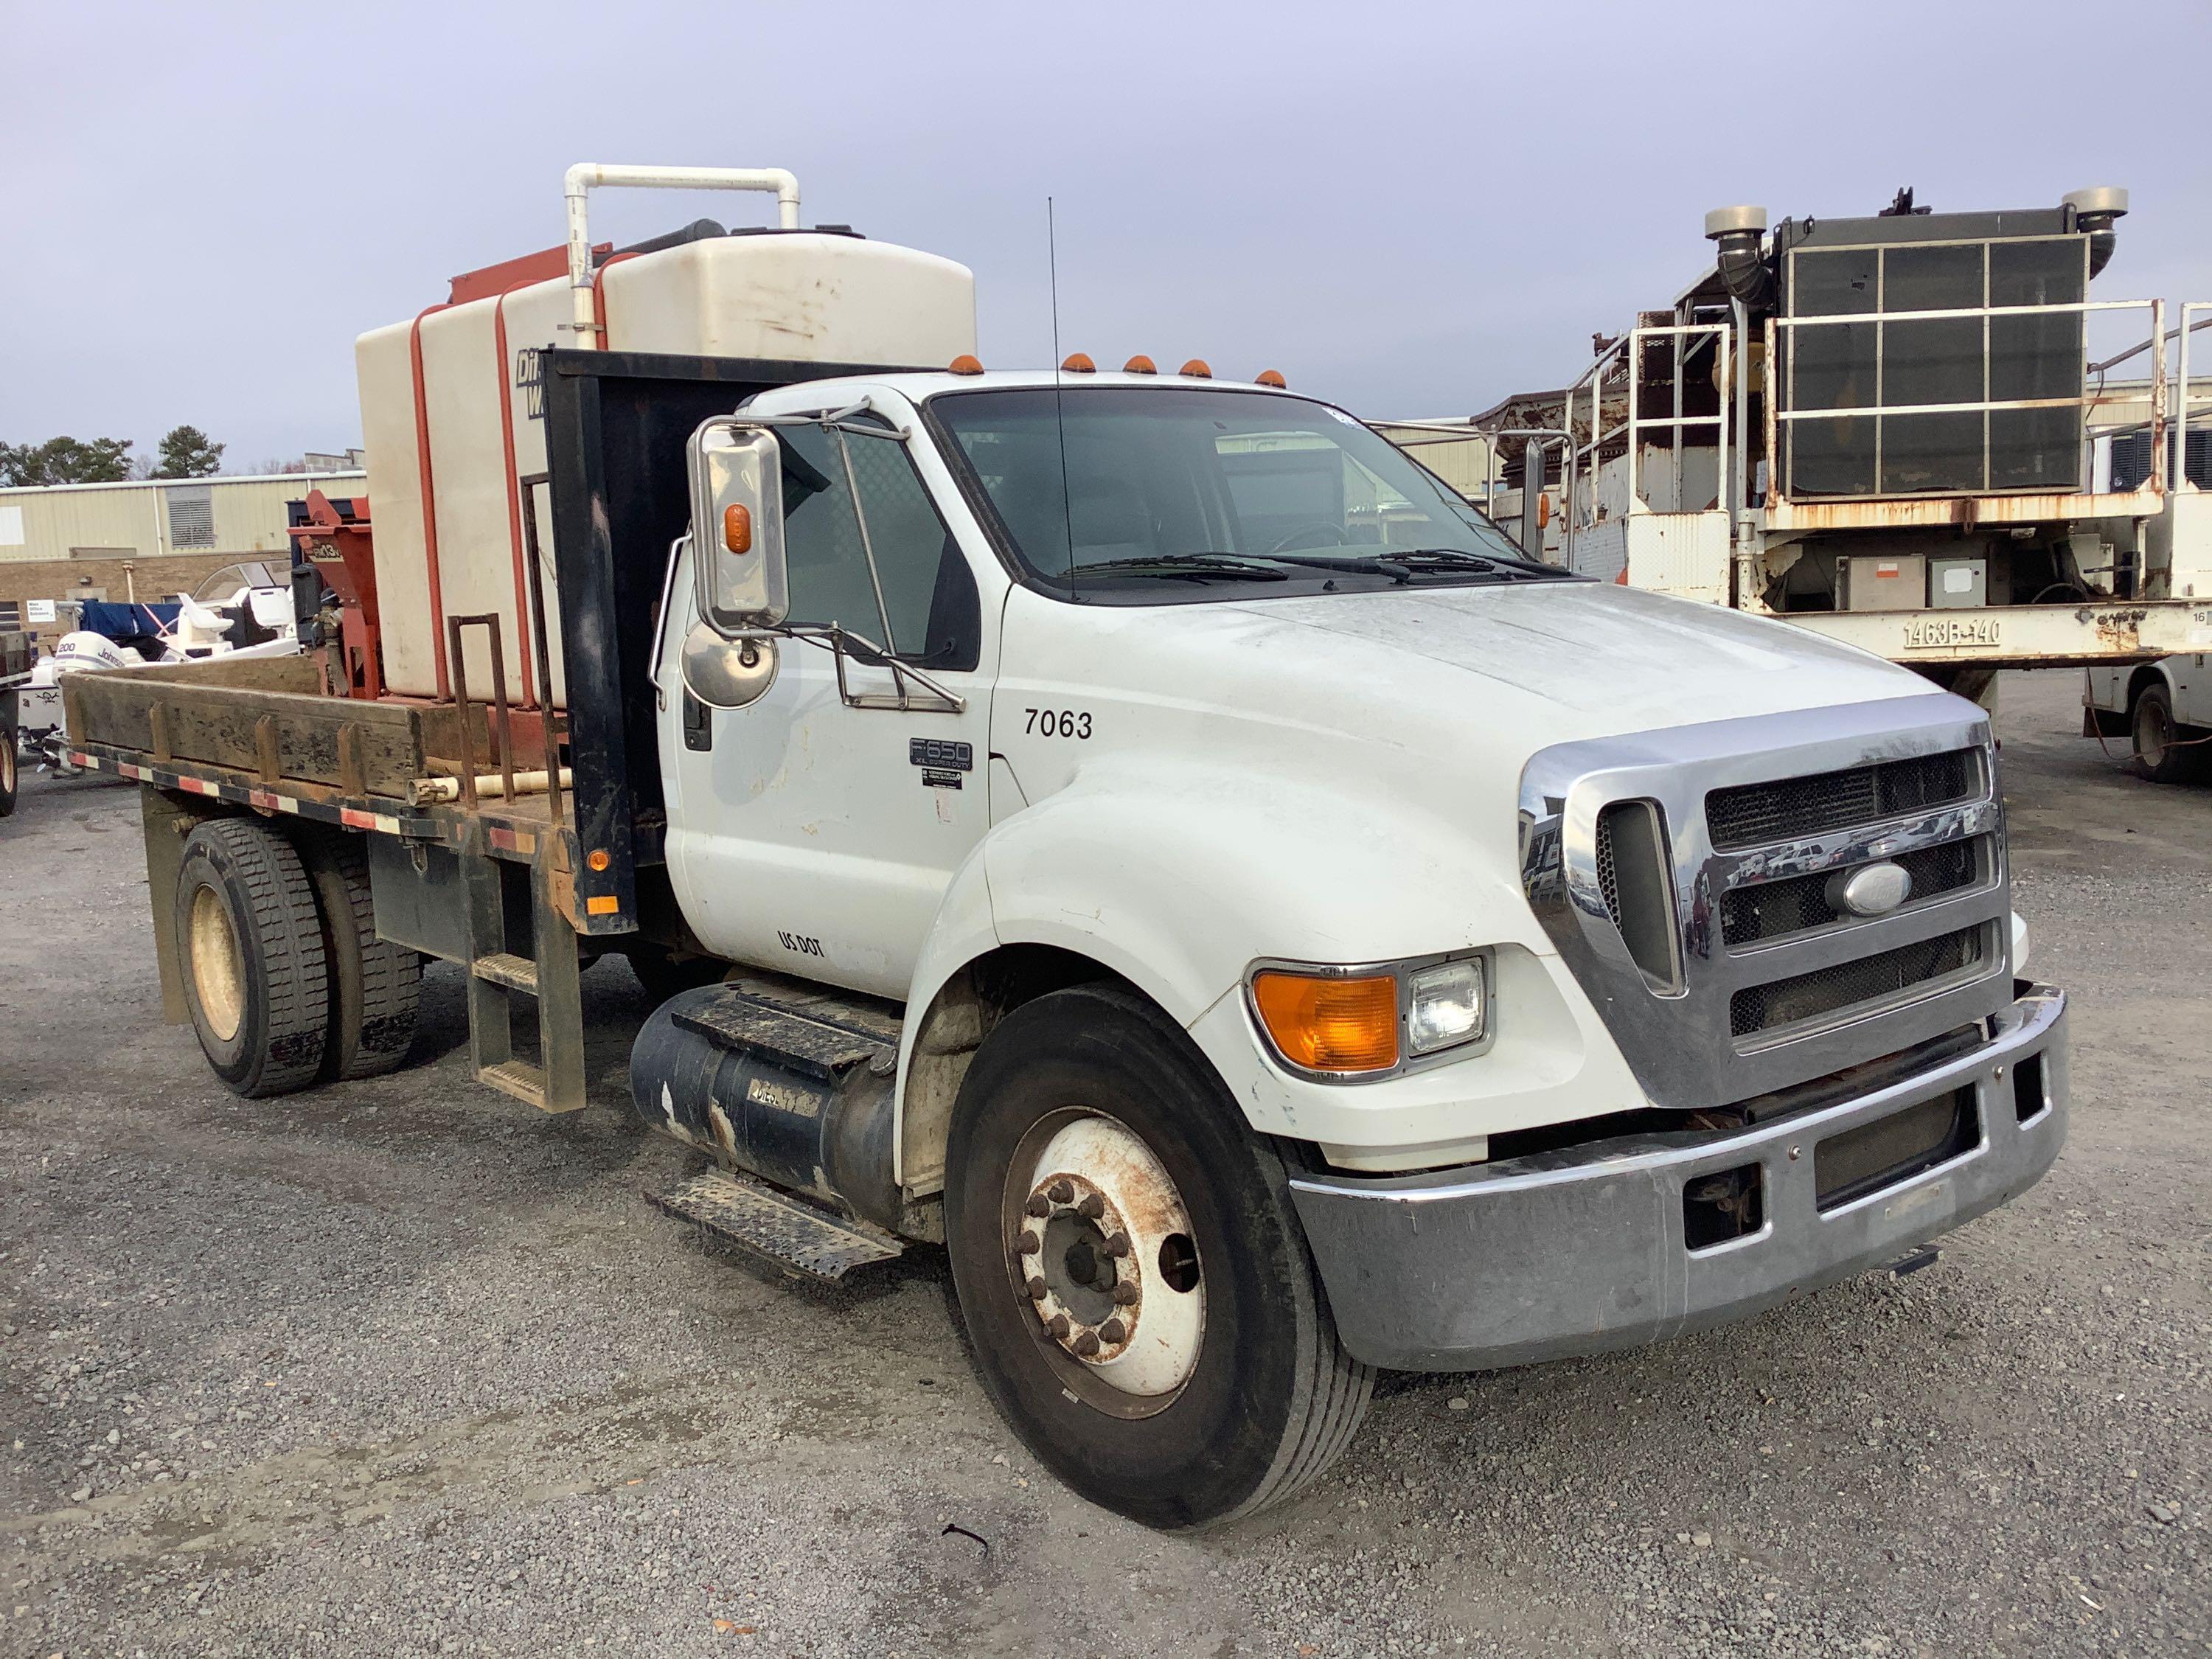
(1738, 977)
(1769, 909)
(1848, 987)
(1789, 808)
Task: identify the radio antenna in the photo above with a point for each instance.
(1059, 411)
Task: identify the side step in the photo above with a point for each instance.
(505, 968)
(787, 1230)
(519, 1078)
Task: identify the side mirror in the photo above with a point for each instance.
(737, 526)
(724, 673)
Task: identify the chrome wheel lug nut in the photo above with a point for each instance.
(1112, 1331)
(1060, 1192)
(1092, 1205)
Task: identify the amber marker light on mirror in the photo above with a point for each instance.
(737, 529)
(1329, 1023)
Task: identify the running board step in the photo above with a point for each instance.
(814, 1037)
(504, 968)
(787, 1231)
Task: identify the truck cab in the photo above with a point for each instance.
(1595, 965)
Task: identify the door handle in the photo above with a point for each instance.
(698, 724)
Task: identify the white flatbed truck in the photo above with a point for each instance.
(1140, 833)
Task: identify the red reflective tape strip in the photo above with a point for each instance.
(199, 786)
(263, 798)
(514, 841)
(353, 820)
(79, 759)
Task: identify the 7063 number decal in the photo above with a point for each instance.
(1058, 722)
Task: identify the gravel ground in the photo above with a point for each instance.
(398, 1368)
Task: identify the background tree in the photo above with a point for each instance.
(187, 452)
(66, 460)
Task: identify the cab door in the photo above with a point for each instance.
(814, 830)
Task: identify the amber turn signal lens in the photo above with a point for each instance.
(599, 859)
(1196, 370)
(1330, 1025)
(1079, 362)
(737, 529)
(1139, 364)
(1272, 376)
(965, 363)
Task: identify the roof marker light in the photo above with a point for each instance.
(1079, 362)
(1139, 364)
(965, 363)
(1196, 370)
(1272, 376)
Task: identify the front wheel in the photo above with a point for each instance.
(8, 769)
(1142, 1306)
(2163, 747)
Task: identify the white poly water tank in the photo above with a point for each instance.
(800, 296)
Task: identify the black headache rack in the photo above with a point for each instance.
(617, 424)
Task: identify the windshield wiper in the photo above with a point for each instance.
(1186, 566)
(1414, 559)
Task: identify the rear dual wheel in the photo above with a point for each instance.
(1138, 1295)
(286, 982)
(8, 769)
(374, 984)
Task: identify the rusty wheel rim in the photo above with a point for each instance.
(1101, 1249)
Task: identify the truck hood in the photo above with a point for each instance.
(1611, 658)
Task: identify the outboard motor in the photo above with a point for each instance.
(784, 1087)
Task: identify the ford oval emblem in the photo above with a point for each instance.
(1872, 889)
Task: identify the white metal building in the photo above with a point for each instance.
(147, 519)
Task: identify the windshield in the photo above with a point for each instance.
(1102, 485)
(218, 588)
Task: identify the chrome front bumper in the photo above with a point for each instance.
(1580, 1251)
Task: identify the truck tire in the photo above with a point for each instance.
(374, 983)
(1162, 1343)
(8, 769)
(250, 947)
(2163, 749)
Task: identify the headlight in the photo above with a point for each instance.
(1372, 1020)
(1444, 1005)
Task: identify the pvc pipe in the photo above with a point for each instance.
(586, 176)
(443, 791)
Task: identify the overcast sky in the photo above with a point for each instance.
(1413, 210)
